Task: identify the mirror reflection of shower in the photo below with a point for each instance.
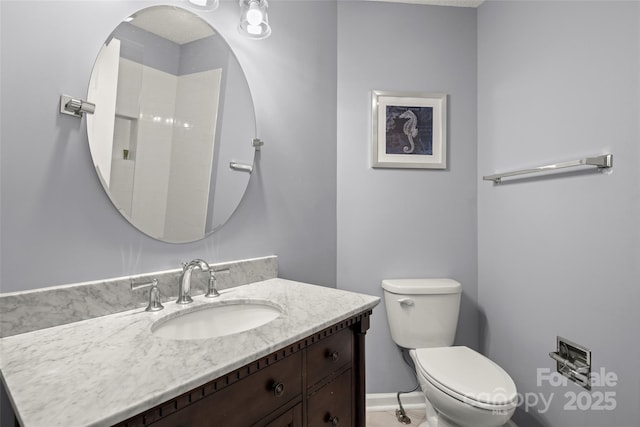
(161, 94)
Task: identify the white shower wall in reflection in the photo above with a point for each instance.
(163, 148)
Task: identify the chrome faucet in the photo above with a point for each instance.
(184, 292)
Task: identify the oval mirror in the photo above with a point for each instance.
(172, 134)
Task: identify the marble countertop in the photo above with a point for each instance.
(100, 371)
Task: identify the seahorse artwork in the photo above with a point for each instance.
(410, 129)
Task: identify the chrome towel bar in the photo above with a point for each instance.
(602, 162)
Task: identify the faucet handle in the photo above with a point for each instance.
(154, 297)
(142, 285)
(212, 290)
(154, 294)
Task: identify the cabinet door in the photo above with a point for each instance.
(331, 405)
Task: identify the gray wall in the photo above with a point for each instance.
(560, 256)
(151, 50)
(405, 223)
(59, 227)
(555, 81)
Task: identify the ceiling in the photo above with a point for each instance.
(457, 3)
(173, 24)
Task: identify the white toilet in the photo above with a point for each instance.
(462, 387)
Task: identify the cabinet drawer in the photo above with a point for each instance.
(291, 418)
(329, 355)
(246, 401)
(331, 404)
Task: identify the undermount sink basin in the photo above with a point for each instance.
(218, 320)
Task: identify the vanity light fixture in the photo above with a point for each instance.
(254, 22)
(204, 5)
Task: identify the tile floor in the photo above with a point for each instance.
(388, 418)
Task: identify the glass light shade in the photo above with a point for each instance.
(254, 14)
(204, 5)
(254, 22)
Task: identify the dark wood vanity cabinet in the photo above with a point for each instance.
(330, 393)
(318, 381)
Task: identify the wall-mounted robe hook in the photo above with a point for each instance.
(75, 107)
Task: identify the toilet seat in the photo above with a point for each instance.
(467, 376)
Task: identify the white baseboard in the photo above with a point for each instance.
(389, 401)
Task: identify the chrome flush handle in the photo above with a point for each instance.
(407, 302)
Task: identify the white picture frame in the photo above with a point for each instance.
(409, 130)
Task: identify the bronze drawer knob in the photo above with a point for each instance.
(333, 420)
(334, 356)
(278, 389)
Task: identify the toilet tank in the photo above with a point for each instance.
(422, 313)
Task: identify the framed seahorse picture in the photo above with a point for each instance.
(409, 130)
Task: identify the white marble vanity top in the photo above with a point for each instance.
(100, 371)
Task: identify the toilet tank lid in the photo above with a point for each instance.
(422, 286)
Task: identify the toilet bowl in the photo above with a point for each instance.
(462, 387)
